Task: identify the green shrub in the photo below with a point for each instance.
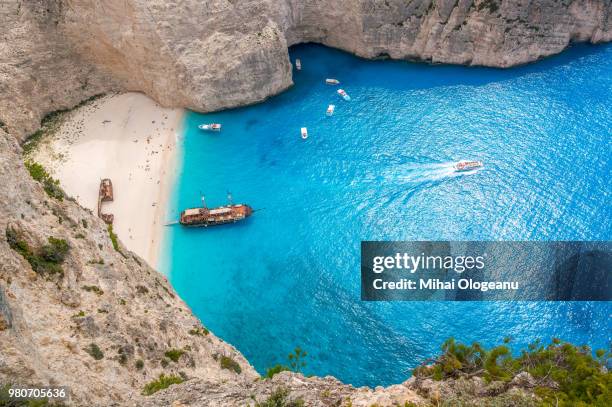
(93, 288)
(491, 5)
(55, 251)
(280, 398)
(577, 377)
(174, 354)
(37, 171)
(495, 366)
(50, 185)
(271, 371)
(47, 259)
(94, 351)
(296, 359)
(139, 364)
(199, 331)
(114, 240)
(230, 364)
(162, 383)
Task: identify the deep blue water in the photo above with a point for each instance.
(379, 170)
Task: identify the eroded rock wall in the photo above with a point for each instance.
(473, 32)
(214, 54)
(39, 70)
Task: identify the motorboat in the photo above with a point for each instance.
(210, 127)
(298, 64)
(462, 166)
(330, 110)
(331, 81)
(304, 132)
(343, 94)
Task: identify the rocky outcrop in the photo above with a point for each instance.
(313, 391)
(214, 54)
(40, 71)
(327, 391)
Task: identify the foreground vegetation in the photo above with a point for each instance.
(563, 374)
(296, 361)
(280, 398)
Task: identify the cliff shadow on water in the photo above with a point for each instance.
(424, 75)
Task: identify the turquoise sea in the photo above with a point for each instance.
(380, 169)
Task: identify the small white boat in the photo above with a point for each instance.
(298, 64)
(304, 132)
(462, 166)
(330, 110)
(210, 127)
(344, 95)
(331, 81)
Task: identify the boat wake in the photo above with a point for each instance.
(421, 173)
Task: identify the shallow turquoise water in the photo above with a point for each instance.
(379, 169)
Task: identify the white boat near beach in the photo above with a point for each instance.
(304, 132)
(344, 95)
(330, 110)
(210, 127)
(331, 81)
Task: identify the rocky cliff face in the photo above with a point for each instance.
(108, 323)
(39, 71)
(214, 54)
(471, 32)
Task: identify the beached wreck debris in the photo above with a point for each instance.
(204, 216)
(105, 194)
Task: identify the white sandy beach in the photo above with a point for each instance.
(131, 140)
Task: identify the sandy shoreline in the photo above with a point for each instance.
(131, 140)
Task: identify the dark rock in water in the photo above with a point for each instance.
(251, 123)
